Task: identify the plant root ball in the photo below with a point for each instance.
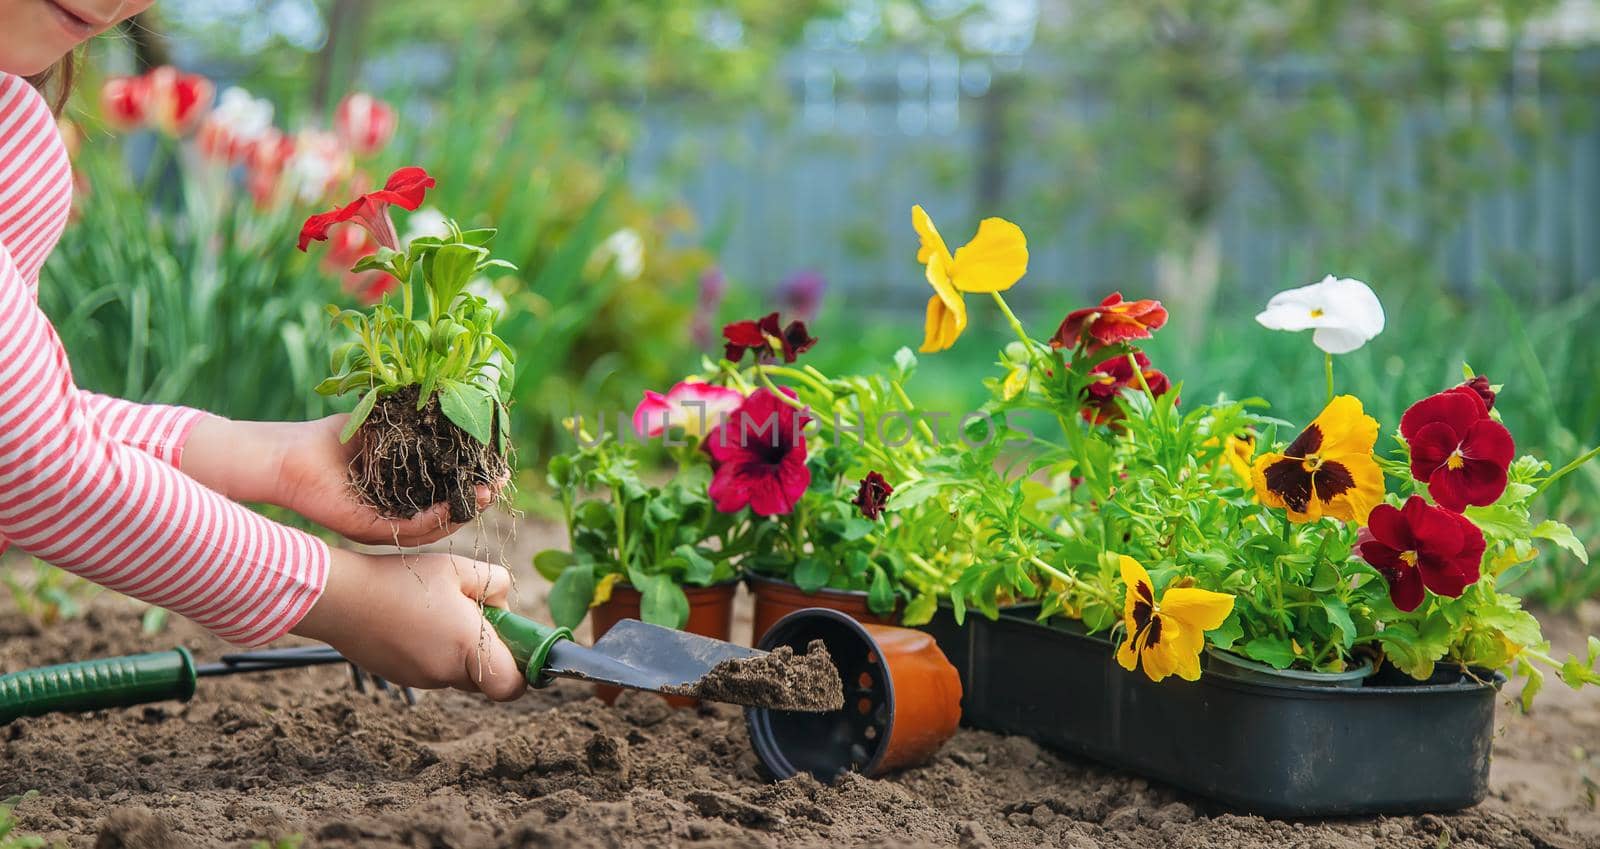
(409, 460)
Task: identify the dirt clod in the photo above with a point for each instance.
(779, 680)
(136, 828)
(410, 460)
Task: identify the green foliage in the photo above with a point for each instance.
(8, 824)
(440, 339)
(655, 538)
(177, 290)
(293, 841)
(44, 594)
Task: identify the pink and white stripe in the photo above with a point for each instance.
(90, 483)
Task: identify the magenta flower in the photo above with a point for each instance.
(759, 454)
(693, 405)
(801, 294)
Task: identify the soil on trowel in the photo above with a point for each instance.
(411, 459)
(778, 680)
(299, 753)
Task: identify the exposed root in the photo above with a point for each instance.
(411, 459)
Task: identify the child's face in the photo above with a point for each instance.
(35, 34)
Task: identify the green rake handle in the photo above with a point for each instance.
(109, 682)
(138, 679)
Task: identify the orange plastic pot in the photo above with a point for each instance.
(902, 700)
(710, 615)
(776, 599)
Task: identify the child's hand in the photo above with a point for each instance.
(302, 466)
(418, 628)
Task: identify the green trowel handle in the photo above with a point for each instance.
(110, 682)
(528, 640)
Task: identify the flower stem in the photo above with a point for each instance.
(1327, 367)
(1011, 317)
(1568, 468)
(1071, 580)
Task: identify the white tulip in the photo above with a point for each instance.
(1345, 313)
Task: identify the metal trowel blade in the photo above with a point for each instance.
(639, 656)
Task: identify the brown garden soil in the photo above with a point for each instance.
(410, 459)
(301, 753)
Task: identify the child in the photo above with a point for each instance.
(137, 498)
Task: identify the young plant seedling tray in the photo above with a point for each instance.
(1283, 750)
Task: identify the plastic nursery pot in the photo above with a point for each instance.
(902, 700)
(776, 599)
(1233, 666)
(710, 615)
(1274, 748)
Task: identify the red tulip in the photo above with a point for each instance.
(364, 123)
(760, 457)
(178, 101)
(1114, 320)
(125, 101)
(1422, 546)
(1456, 449)
(405, 189)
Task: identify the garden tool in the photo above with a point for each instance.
(633, 655)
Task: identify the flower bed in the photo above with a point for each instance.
(1146, 533)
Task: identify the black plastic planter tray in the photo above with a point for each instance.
(1288, 750)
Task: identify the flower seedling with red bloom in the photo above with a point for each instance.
(1113, 321)
(768, 338)
(432, 373)
(760, 457)
(873, 495)
(1457, 449)
(1421, 546)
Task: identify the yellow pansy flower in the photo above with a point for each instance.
(603, 588)
(1328, 470)
(1166, 638)
(993, 261)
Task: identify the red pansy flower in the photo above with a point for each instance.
(759, 453)
(1113, 376)
(1114, 320)
(405, 189)
(1456, 449)
(873, 495)
(1420, 546)
(763, 335)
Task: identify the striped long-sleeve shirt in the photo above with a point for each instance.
(91, 483)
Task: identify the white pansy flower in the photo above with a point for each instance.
(1345, 313)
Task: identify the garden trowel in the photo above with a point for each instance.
(633, 655)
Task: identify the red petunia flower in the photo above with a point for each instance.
(1421, 546)
(873, 495)
(763, 336)
(1456, 449)
(759, 453)
(405, 189)
(364, 123)
(1113, 321)
(1113, 376)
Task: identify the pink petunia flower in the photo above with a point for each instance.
(760, 457)
(695, 406)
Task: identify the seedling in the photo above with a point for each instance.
(432, 374)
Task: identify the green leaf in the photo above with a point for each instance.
(470, 407)
(700, 570)
(920, 610)
(661, 601)
(1339, 617)
(359, 414)
(449, 269)
(810, 574)
(1273, 651)
(880, 596)
(570, 596)
(550, 564)
(1563, 536)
